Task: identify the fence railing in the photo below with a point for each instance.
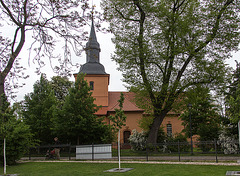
(178, 151)
(94, 151)
(41, 151)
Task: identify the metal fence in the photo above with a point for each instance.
(94, 151)
(41, 151)
(167, 151)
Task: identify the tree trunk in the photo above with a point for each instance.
(153, 133)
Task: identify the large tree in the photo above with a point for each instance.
(164, 47)
(14, 134)
(39, 106)
(205, 116)
(60, 86)
(44, 22)
(233, 96)
(76, 121)
(38, 111)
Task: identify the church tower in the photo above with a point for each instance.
(94, 71)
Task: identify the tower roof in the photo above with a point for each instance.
(92, 42)
(92, 65)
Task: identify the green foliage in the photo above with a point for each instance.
(18, 140)
(55, 108)
(17, 134)
(162, 136)
(173, 143)
(119, 119)
(205, 119)
(76, 121)
(142, 100)
(60, 86)
(145, 122)
(165, 47)
(229, 134)
(233, 96)
(234, 109)
(38, 110)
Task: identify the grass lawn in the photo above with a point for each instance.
(97, 169)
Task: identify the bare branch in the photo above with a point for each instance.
(10, 13)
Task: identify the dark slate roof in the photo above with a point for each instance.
(93, 68)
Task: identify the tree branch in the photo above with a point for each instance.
(25, 12)
(14, 53)
(125, 18)
(208, 40)
(215, 27)
(159, 66)
(141, 53)
(10, 13)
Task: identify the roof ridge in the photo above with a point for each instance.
(127, 102)
(127, 97)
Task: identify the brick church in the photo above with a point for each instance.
(98, 81)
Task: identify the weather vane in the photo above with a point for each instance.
(93, 9)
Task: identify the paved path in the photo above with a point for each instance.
(161, 158)
(194, 160)
(135, 162)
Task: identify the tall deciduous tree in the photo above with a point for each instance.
(205, 117)
(38, 110)
(164, 47)
(60, 86)
(17, 135)
(233, 96)
(76, 121)
(44, 22)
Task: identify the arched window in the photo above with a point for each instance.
(91, 84)
(126, 135)
(169, 129)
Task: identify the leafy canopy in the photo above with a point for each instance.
(17, 134)
(233, 96)
(164, 47)
(76, 121)
(205, 117)
(38, 109)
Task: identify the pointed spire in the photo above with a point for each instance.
(92, 46)
(92, 65)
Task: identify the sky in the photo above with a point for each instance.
(107, 48)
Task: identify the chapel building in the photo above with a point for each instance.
(99, 81)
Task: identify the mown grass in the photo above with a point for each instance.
(97, 169)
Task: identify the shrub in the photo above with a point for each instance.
(173, 143)
(138, 140)
(227, 143)
(17, 134)
(18, 141)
